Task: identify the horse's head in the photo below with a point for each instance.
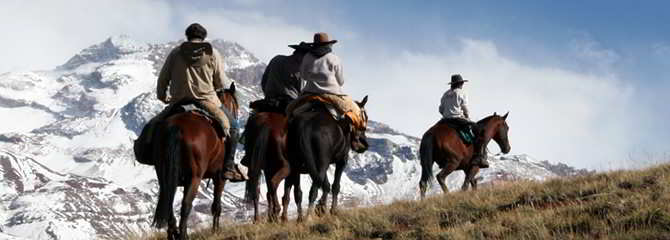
(228, 98)
(498, 125)
(359, 142)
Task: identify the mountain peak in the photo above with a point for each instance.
(112, 48)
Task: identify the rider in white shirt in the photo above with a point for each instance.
(453, 106)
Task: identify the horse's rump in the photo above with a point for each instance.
(142, 146)
(331, 105)
(274, 105)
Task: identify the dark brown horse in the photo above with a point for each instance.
(265, 135)
(315, 141)
(187, 150)
(441, 144)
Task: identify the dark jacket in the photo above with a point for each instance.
(282, 78)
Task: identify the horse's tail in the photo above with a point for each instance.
(168, 173)
(255, 164)
(426, 154)
(309, 161)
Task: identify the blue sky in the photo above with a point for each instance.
(585, 81)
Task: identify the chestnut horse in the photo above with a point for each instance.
(265, 135)
(315, 141)
(441, 144)
(187, 149)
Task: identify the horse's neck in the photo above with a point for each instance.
(490, 130)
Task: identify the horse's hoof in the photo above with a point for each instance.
(334, 212)
(320, 210)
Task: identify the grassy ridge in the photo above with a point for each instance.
(615, 205)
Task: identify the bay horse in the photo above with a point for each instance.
(441, 144)
(315, 141)
(265, 135)
(187, 149)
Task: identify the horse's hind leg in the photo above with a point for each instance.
(273, 184)
(339, 167)
(219, 184)
(288, 183)
(172, 231)
(297, 193)
(186, 205)
(313, 193)
(325, 187)
(442, 175)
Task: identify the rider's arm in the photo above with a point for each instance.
(464, 106)
(338, 71)
(441, 108)
(304, 73)
(266, 75)
(164, 78)
(219, 73)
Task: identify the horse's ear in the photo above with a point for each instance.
(232, 87)
(365, 100)
(505, 117)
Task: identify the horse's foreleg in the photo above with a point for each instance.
(273, 184)
(339, 168)
(219, 184)
(186, 205)
(470, 178)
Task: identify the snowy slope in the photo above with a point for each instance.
(66, 164)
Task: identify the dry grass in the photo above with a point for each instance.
(615, 205)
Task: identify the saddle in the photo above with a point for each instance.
(195, 107)
(309, 103)
(142, 145)
(463, 127)
(275, 105)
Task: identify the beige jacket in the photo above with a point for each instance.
(322, 75)
(187, 80)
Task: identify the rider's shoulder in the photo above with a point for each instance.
(277, 59)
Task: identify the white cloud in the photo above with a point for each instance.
(558, 115)
(593, 55)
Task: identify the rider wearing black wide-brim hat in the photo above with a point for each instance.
(281, 82)
(454, 107)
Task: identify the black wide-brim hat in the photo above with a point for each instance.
(322, 38)
(456, 79)
(302, 46)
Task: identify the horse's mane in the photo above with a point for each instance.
(484, 121)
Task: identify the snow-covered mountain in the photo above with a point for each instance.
(67, 169)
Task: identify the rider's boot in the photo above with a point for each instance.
(479, 156)
(232, 171)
